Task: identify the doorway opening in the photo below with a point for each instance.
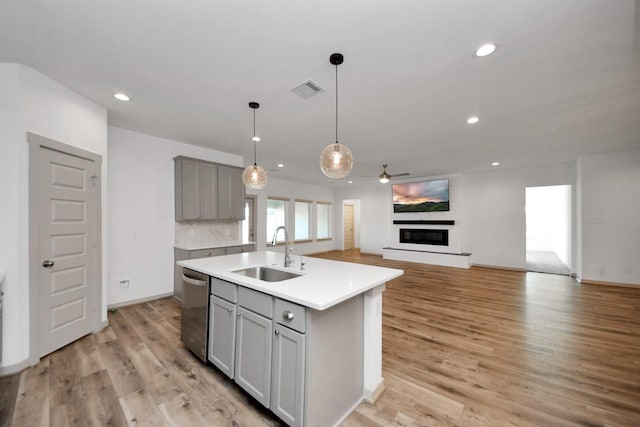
(548, 229)
(249, 222)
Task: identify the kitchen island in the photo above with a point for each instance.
(308, 347)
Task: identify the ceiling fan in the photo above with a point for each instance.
(385, 177)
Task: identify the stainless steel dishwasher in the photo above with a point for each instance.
(193, 330)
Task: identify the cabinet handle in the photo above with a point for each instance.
(207, 254)
(287, 315)
(238, 314)
(229, 310)
(277, 332)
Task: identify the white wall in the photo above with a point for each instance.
(610, 232)
(141, 199)
(294, 190)
(375, 215)
(495, 211)
(31, 102)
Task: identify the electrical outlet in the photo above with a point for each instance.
(125, 284)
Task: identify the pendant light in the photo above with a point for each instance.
(336, 159)
(254, 176)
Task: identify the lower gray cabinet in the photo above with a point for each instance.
(287, 375)
(222, 334)
(253, 354)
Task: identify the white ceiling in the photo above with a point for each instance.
(565, 80)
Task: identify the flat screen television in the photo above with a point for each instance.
(422, 196)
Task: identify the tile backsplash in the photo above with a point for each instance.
(207, 232)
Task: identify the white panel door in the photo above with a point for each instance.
(68, 238)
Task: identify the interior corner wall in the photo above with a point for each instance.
(142, 219)
(375, 215)
(495, 211)
(610, 210)
(295, 190)
(32, 102)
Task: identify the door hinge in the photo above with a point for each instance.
(94, 180)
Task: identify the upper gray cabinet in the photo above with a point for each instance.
(205, 190)
(231, 193)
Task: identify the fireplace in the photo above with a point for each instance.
(422, 236)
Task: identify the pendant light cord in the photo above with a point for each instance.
(255, 160)
(336, 103)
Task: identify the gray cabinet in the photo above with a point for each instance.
(240, 249)
(206, 190)
(253, 354)
(231, 193)
(222, 334)
(287, 375)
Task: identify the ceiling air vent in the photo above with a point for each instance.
(307, 89)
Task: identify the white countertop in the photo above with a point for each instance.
(324, 283)
(198, 246)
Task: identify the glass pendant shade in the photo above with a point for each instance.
(254, 177)
(336, 160)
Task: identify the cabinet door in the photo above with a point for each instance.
(231, 193)
(287, 381)
(222, 334)
(190, 189)
(208, 191)
(253, 355)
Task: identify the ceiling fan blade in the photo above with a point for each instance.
(399, 174)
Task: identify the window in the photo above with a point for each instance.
(303, 220)
(324, 220)
(276, 216)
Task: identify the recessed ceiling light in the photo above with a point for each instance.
(472, 120)
(121, 97)
(486, 49)
(280, 165)
(255, 139)
(495, 164)
(350, 182)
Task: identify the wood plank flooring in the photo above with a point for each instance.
(478, 347)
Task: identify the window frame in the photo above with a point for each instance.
(309, 204)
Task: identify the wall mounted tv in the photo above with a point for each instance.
(422, 196)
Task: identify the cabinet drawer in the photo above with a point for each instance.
(255, 301)
(224, 290)
(290, 315)
(203, 253)
(240, 249)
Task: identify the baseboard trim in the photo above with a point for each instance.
(499, 267)
(376, 393)
(603, 283)
(139, 300)
(15, 368)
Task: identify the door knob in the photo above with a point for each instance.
(47, 263)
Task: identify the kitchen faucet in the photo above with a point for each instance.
(287, 258)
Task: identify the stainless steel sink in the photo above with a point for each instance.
(267, 274)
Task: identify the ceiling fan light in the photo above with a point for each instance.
(254, 177)
(384, 178)
(336, 160)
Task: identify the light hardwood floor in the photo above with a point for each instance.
(478, 347)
